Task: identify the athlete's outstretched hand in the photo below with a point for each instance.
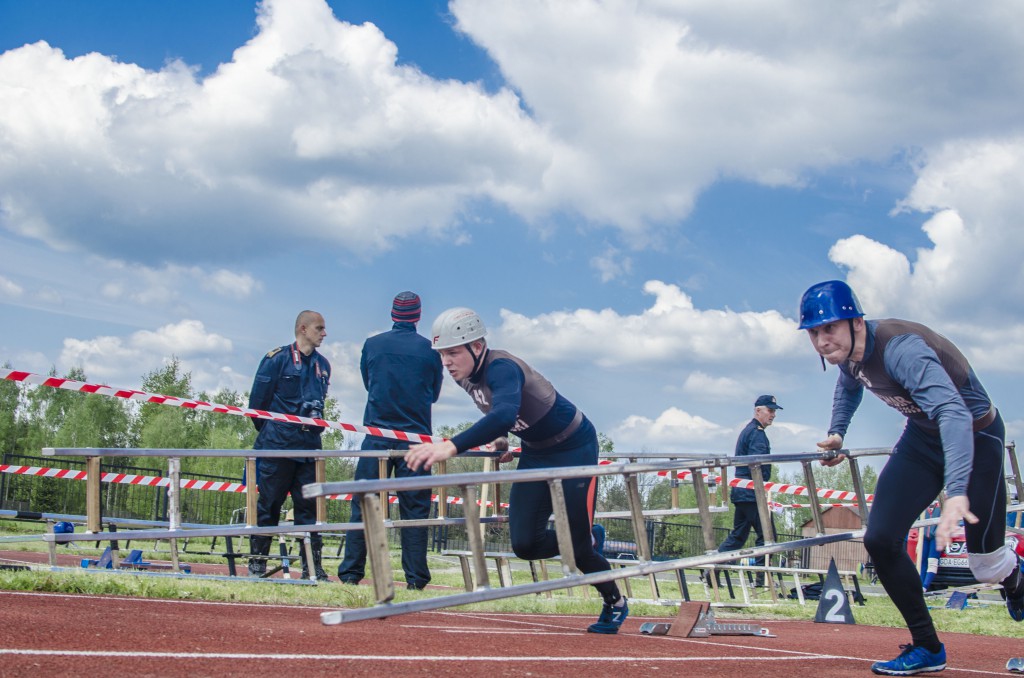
(833, 442)
(954, 510)
(428, 454)
(501, 445)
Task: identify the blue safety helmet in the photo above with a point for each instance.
(828, 302)
(63, 527)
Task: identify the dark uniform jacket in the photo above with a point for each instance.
(752, 441)
(402, 375)
(289, 382)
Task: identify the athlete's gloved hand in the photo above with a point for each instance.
(954, 510)
(833, 442)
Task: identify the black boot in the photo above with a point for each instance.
(317, 549)
(259, 545)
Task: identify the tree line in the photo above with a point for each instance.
(34, 417)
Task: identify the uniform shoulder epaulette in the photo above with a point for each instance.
(274, 351)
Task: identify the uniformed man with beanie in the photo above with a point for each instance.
(403, 377)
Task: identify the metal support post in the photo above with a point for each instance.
(858, 489)
(812, 496)
(174, 507)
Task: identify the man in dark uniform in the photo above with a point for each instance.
(515, 398)
(954, 437)
(403, 377)
(291, 379)
(752, 441)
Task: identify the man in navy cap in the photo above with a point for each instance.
(752, 441)
(402, 375)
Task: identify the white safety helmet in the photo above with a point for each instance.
(456, 327)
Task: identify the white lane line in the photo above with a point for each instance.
(355, 657)
(430, 658)
(165, 601)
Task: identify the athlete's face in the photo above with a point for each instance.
(458, 360)
(833, 340)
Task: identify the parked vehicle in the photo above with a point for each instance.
(949, 568)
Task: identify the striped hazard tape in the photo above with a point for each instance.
(781, 488)
(185, 484)
(141, 396)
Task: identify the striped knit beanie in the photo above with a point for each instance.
(406, 308)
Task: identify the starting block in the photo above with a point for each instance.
(134, 561)
(697, 620)
(957, 601)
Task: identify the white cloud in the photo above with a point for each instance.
(713, 387)
(672, 430)
(188, 337)
(230, 284)
(125, 359)
(312, 124)
(10, 289)
(670, 330)
(652, 102)
(611, 264)
(969, 283)
(634, 109)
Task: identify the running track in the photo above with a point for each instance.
(45, 634)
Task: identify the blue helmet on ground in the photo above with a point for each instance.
(828, 302)
(63, 527)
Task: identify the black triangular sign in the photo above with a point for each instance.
(833, 606)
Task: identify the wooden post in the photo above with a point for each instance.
(565, 549)
(93, 515)
(376, 548)
(476, 544)
(251, 491)
(321, 502)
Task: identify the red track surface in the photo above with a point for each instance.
(56, 635)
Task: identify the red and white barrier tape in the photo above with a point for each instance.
(797, 490)
(142, 396)
(185, 484)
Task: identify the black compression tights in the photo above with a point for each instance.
(910, 481)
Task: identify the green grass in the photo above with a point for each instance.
(980, 619)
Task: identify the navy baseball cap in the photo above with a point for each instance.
(767, 401)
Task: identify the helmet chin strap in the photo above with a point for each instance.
(477, 359)
(853, 339)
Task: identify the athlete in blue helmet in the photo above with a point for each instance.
(954, 438)
(555, 433)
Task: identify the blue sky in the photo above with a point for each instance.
(632, 195)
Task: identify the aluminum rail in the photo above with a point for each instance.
(258, 454)
(314, 490)
(643, 569)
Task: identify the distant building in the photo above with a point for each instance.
(849, 555)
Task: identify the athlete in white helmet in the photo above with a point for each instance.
(515, 398)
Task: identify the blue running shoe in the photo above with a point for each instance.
(914, 659)
(1013, 591)
(611, 619)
